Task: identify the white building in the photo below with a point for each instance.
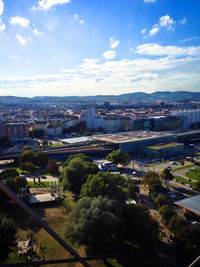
(192, 116)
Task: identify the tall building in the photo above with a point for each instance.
(90, 117)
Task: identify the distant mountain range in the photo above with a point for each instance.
(141, 96)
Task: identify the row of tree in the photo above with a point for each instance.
(185, 234)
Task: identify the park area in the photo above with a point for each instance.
(46, 246)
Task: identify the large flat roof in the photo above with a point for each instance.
(76, 139)
(131, 136)
(192, 204)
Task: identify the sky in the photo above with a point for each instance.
(92, 47)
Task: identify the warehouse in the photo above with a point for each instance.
(146, 143)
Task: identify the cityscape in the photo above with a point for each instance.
(99, 133)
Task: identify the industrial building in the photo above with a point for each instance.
(147, 144)
(191, 204)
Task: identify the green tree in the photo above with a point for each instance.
(26, 156)
(104, 184)
(7, 235)
(167, 213)
(167, 175)
(132, 190)
(107, 226)
(189, 236)
(176, 223)
(117, 156)
(182, 163)
(40, 159)
(73, 176)
(27, 166)
(52, 167)
(140, 229)
(152, 181)
(8, 173)
(95, 223)
(27, 148)
(83, 157)
(160, 201)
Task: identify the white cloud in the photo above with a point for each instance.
(167, 22)
(153, 49)
(22, 21)
(113, 43)
(143, 31)
(190, 39)
(146, 76)
(110, 54)
(12, 57)
(155, 29)
(2, 26)
(164, 22)
(149, 1)
(21, 39)
(94, 77)
(36, 32)
(1, 7)
(48, 4)
(77, 18)
(183, 21)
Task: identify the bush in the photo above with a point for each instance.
(160, 201)
(167, 213)
(52, 167)
(132, 190)
(27, 166)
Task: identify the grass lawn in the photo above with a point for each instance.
(55, 145)
(185, 181)
(184, 167)
(46, 246)
(194, 174)
(21, 171)
(158, 163)
(41, 185)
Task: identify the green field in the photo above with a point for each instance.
(158, 163)
(185, 181)
(194, 174)
(184, 167)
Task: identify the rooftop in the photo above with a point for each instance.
(76, 139)
(130, 136)
(192, 204)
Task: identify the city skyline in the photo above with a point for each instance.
(74, 47)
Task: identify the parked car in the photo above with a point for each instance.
(174, 163)
(134, 174)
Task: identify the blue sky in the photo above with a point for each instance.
(90, 47)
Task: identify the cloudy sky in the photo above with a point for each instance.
(90, 47)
